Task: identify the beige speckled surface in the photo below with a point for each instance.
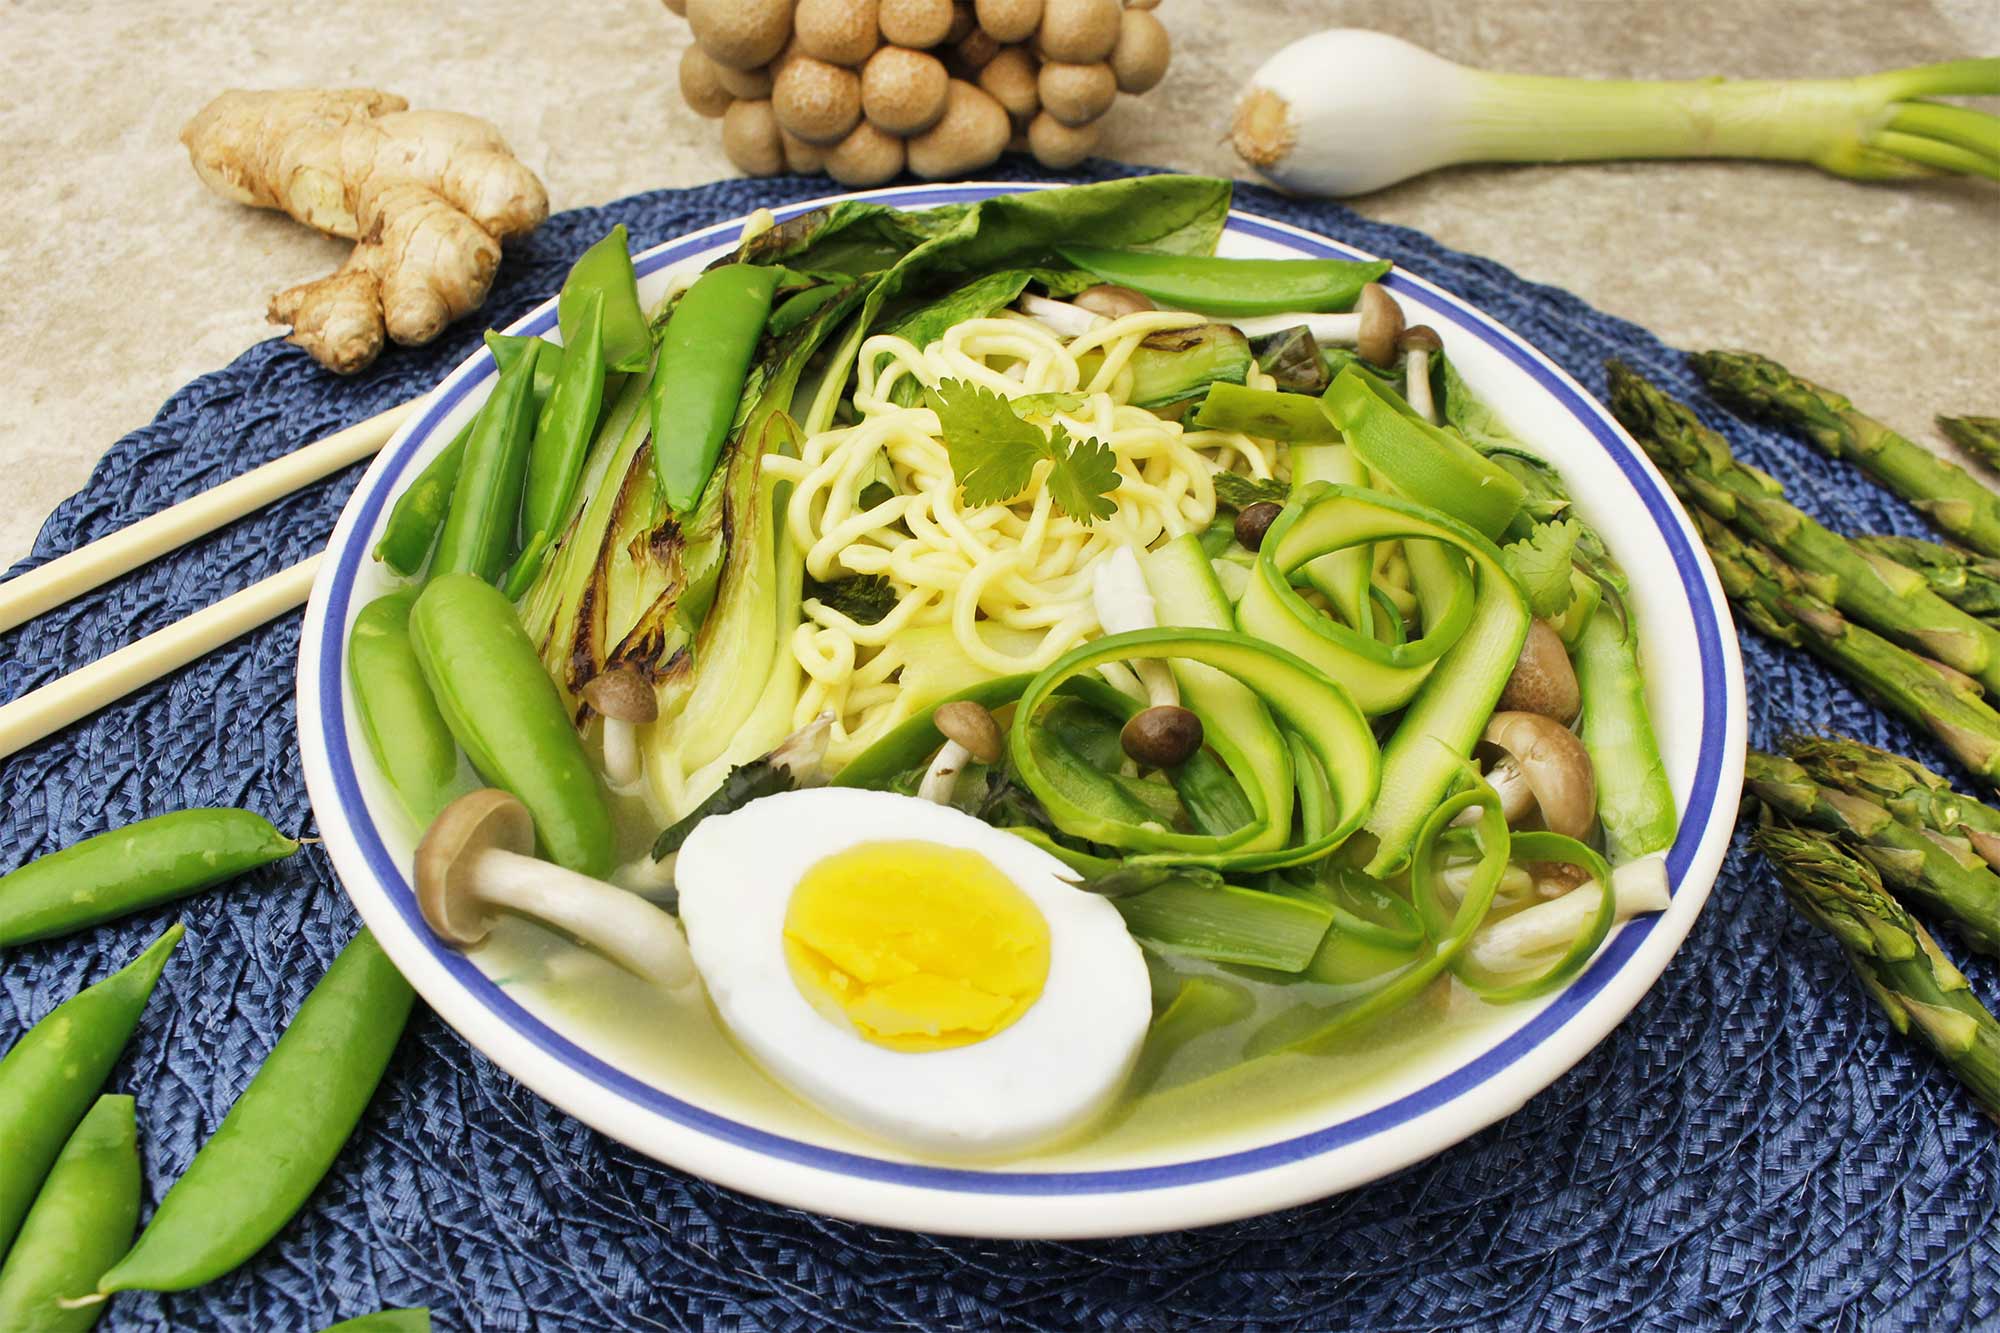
(125, 278)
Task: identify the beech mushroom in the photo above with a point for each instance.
(1543, 680)
(1418, 344)
(1543, 767)
(1112, 301)
(625, 701)
(919, 24)
(1140, 58)
(741, 34)
(816, 101)
(867, 156)
(1371, 328)
(1254, 520)
(974, 51)
(970, 734)
(476, 859)
(1078, 32)
(969, 135)
(1163, 734)
(963, 22)
(840, 32)
(1529, 936)
(1060, 317)
(1076, 94)
(801, 157)
(903, 92)
(701, 88)
(1056, 145)
(745, 85)
(1009, 20)
(1010, 77)
(750, 138)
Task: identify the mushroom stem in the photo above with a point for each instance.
(1417, 385)
(622, 926)
(1523, 939)
(943, 775)
(621, 752)
(1510, 784)
(1070, 321)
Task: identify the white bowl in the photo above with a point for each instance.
(627, 1079)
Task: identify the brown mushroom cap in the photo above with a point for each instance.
(903, 91)
(701, 84)
(1140, 58)
(745, 85)
(1163, 736)
(1056, 146)
(487, 819)
(1009, 20)
(1543, 681)
(1078, 32)
(1381, 325)
(971, 134)
(1254, 520)
(867, 156)
(972, 726)
(741, 34)
(919, 24)
(840, 32)
(622, 693)
(750, 138)
(1112, 301)
(1076, 94)
(1010, 78)
(1420, 337)
(816, 101)
(1555, 764)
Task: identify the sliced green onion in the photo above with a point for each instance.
(1227, 924)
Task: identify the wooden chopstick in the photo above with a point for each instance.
(79, 571)
(55, 705)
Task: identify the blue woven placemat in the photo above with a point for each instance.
(1752, 1147)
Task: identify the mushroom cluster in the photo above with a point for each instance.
(862, 89)
(1536, 764)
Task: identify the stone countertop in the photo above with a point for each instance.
(126, 278)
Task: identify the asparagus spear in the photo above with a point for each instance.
(1941, 874)
(1881, 594)
(1969, 582)
(1774, 598)
(1903, 787)
(1978, 436)
(1895, 958)
(1952, 498)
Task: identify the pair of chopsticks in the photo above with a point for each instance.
(51, 707)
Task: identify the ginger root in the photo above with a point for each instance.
(426, 195)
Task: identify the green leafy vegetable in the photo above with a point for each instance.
(1540, 563)
(862, 598)
(993, 454)
(1233, 490)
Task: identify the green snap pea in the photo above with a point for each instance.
(406, 732)
(282, 1134)
(507, 348)
(81, 1221)
(1211, 285)
(606, 269)
(419, 511)
(800, 306)
(704, 360)
(415, 1320)
(562, 440)
(506, 715)
(128, 869)
(52, 1074)
(1294, 418)
(479, 527)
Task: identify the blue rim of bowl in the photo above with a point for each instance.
(1561, 1010)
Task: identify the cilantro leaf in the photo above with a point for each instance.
(1540, 562)
(993, 454)
(862, 598)
(1233, 490)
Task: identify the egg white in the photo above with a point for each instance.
(1048, 1073)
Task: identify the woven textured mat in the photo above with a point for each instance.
(1752, 1147)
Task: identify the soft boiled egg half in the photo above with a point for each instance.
(919, 974)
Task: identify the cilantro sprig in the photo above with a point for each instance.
(994, 453)
(1540, 563)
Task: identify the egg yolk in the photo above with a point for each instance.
(919, 946)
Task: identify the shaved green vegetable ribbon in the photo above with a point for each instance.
(1381, 676)
(1550, 847)
(1319, 710)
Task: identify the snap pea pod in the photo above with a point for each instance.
(507, 348)
(505, 713)
(414, 1320)
(563, 433)
(419, 511)
(406, 731)
(704, 360)
(605, 269)
(1292, 418)
(282, 1134)
(797, 308)
(81, 1221)
(479, 527)
(126, 870)
(1427, 463)
(52, 1074)
(1212, 285)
